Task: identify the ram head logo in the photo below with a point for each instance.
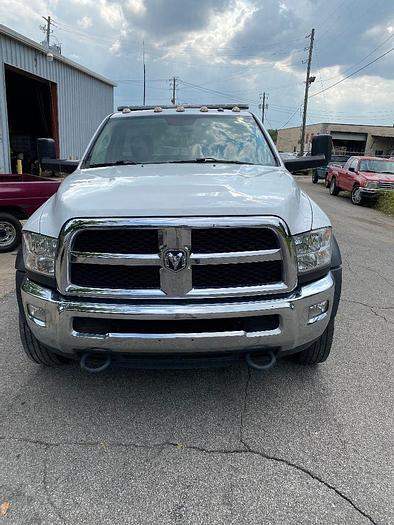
(175, 260)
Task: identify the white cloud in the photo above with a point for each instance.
(136, 7)
(85, 22)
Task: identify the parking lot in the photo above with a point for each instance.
(218, 446)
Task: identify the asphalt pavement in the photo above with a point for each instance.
(220, 446)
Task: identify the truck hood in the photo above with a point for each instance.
(384, 177)
(174, 190)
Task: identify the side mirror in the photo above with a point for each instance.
(59, 165)
(295, 164)
(351, 169)
(46, 148)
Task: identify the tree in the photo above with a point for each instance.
(273, 133)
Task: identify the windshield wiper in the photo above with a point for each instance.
(201, 160)
(116, 163)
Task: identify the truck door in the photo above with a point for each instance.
(349, 175)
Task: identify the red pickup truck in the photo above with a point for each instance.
(20, 196)
(365, 177)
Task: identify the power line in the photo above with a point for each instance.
(351, 74)
(292, 115)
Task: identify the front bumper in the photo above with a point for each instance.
(294, 329)
(374, 193)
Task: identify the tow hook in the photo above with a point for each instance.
(95, 362)
(260, 361)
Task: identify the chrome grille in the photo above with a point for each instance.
(386, 185)
(124, 258)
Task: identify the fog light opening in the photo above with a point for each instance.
(37, 314)
(317, 311)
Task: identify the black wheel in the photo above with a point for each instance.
(10, 232)
(315, 178)
(356, 196)
(36, 351)
(320, 350)
(326, 183)
(334, 190)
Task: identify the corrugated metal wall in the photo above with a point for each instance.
(83, 101)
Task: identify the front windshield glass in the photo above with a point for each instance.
(181, 138)
(377, 166)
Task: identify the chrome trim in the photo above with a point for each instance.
(236, 257)
(120, 259)
(293, 330)
(175, 233)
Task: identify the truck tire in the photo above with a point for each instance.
(10, 232)
(36, 351)
(356, 196)
(334, 190)
(319, 350)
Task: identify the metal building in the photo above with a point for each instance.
(347, 139)
(44, 95)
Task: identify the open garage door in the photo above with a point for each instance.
(32, 113)
(348, 143)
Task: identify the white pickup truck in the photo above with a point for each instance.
(181, 239)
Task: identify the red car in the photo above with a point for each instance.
(20, 196)
(365, 177)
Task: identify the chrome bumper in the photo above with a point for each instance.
(294, 329)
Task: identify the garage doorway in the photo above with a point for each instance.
(32, 113)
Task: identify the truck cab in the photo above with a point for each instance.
(364, 177)
(181, 237)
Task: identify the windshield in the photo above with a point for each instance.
(181, 138)
(377, 166)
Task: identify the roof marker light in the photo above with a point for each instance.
(126, 110)
(236, 109)
(180, 109)
(157, 109)
(203, 109)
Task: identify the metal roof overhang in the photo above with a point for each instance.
(4, 30)
(340, 135)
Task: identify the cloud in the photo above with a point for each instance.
(85, 22)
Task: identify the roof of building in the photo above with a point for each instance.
(4, 30)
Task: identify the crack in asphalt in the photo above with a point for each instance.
(245, 449)
(371, 308)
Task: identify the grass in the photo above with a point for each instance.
(386, 203)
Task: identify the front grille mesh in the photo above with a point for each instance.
(233, 275)
(224, 240)
(89, 325)
(117, 240)
(115, 277)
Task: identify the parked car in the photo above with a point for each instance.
(181, 237)
(321, 172)
(365, 177)
(20, 196)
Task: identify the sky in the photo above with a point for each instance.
(225, 51)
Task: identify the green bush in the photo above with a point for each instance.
(386, 203)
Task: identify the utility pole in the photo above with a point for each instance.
(47, 30)
(143, 61)
(173, 99)
(308, 82)
(263, 106)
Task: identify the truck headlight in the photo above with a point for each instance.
(372, 185)
(39, 253)
(313, 249)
